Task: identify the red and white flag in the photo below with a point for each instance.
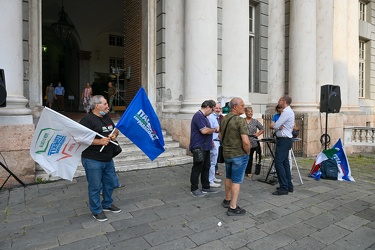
(58, 143)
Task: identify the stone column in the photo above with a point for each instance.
(235, 47)
(11, 60)
(174, 56)
(36, 92)
(276, 53)
(324, 50)
(16, 123)
(352, 100)
(200, 53)
(149, 49)
(340, 50)
(302, 54)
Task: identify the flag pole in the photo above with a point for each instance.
(110, 141)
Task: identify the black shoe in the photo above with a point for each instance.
(236, 212)
(100, 217)
(113, 209)
(225, 203)
(280, 192)
(290, 189)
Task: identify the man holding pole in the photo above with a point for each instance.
(99, 166)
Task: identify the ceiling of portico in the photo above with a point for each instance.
(90, 18)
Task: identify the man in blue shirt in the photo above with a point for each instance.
(59, 96)
(201, 144)
(284, 128)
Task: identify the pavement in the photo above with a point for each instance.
(158, 212)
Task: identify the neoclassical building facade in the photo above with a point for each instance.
(186, 51)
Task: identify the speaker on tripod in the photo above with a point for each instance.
(3, 91)
(330, 102)
(330, 99)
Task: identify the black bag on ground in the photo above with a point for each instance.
(197, 155)
(329, 169)
(258, 159)
(220, 157)
(117, 149)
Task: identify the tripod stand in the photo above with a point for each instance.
(10, 174)
(295, 163)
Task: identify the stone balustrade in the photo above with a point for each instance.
(359, 139)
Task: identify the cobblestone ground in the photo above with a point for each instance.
(158, 212)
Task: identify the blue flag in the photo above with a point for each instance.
(141, 125)
(342, 162)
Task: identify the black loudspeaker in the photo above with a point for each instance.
(3, 91)
(330, 99)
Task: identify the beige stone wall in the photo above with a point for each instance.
(179, 129)
(15, 144)
(314, 127)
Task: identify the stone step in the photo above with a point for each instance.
(132, 158)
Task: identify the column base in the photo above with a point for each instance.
(172, 106)
(15, 112)
(190, 107)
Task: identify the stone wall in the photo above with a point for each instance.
(15, 144)
(314, 127)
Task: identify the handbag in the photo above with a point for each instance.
(117, 149)
(197, 155)
(220, 156)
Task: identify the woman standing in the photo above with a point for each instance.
(86, 96)
(50, 90)
(255, 130)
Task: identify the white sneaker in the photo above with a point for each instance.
(215, 185)
(217, 180)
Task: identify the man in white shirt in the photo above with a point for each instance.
(284, 128)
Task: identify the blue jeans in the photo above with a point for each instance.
(283, 145)
(235, 168)
(99, 174)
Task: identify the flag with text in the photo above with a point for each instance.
(142, 126)
(58, 142)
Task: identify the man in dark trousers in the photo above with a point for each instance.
(201, 144)
(284, 142)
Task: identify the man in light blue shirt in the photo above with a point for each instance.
(284, 128)
(59, 96)
(214, 122)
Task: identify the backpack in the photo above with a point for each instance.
(329, 169)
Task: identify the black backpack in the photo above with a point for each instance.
(329, 169)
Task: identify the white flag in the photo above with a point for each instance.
(58, 143)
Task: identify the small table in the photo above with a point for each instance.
(271, 169)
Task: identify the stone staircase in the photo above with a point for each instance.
(132, 158)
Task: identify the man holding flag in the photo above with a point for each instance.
(98, 162)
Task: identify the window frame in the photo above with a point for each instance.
(252, 49)
(362, 69)
(115, 40)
